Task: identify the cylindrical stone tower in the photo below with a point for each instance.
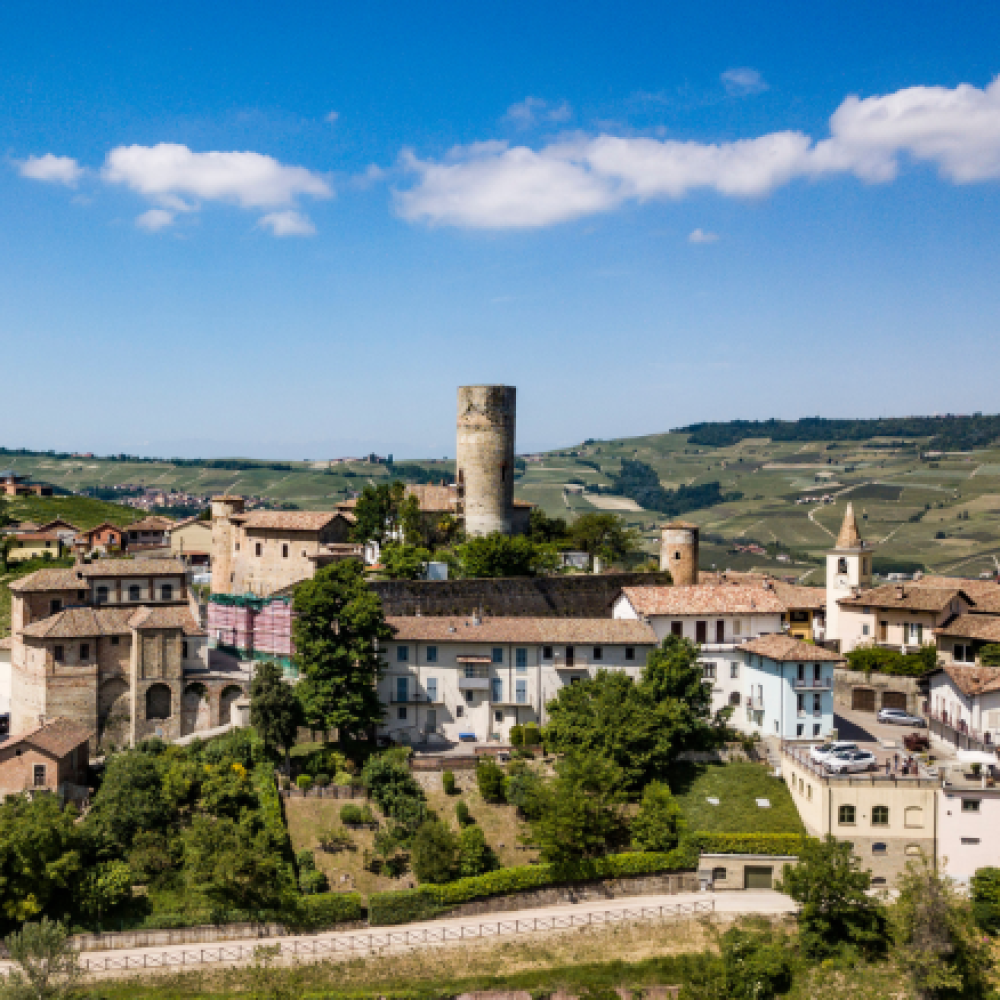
(485, 457)
(679, 552)
(223, 539)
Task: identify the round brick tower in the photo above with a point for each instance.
(223, 540)
(485, 457)
(679, 552)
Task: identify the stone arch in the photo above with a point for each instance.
(196, 709)
(114, 710)
(229, 694)
(159, 702)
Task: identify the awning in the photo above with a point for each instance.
(976, 757)
(473, 659)
(466, 736)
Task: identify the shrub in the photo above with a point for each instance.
(355, 815)
(490, 778)
(305, 861)
(746, 843)
(313, 881)
(432, 900)
(342, 778)
(435, 853)
(658, 824)
(517, 736)
(462, 813)
(521, 787)
(448, 782)
(986, 899)
(532, 735)
(304, 782)
(322, 780)
(475, 856)
(326, 909)
(334, 840)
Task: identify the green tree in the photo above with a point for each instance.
(434, 855)
(544, 530)
(937, 944)
(985, 898)
(496, 555)
(377, 512)
(490, 779)
(674, 681)
(658, 824)
(130, 799)
(403, 562)
(103, 888)
(234, 865)
(836, 911)
(521, 789)
(339, 622)
(40, 857)
(410, 521)
(604, 535)
(48, 968)
(275, 711)
(475, 856)
(580, 811)
(989, 655)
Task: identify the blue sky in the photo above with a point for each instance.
(292, 230)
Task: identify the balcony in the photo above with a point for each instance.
(755, 702)
(416, 698)
(817, 683)
(560, 662)
(473, 683)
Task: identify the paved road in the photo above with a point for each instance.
(440, 932)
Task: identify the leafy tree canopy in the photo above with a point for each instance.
(603, 535)
(275, 711)
(497, 555)
(403, 562)
(874, 659)
(377, 511)
(658, 824)
(543, 529)
(435, 855)
(339, 621)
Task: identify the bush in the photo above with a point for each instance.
(322, 780)
(658, 824)
(355, 815)
(313, 881)
(532, 735)
(448, 782)
(327, 909)
(520, 789)
(334, 840)
(746, 843)
(462, 813)
(343, 778)
(432, 900)
(490, 778)
(475, 856)
(986, 899)
(435, 853)
(304, 782)
(517, 736)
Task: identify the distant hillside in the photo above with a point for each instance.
(947, 433)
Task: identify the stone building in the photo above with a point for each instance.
(116, 646)
(679, 552)
(51, 756)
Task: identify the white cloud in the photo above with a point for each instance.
(169, 171)
(331, 117)
(499, 188)
(52, 169)
(288, 224)
(155, 219)
(742, 81)
(532, 110)
(700, 236)
(491, 185)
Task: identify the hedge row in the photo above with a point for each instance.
(406, 905)
(326, 909)
(747, 843)
(270, 807)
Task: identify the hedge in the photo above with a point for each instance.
(427, 901)
(747, 843)
(270, 808)
(328, 908)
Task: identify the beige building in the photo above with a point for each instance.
(34, 545)
(191, 540)
(886, 819)
(116, 647)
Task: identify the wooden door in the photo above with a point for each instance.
(863, 700)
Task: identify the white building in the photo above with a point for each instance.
(966, 699)
(718, 617)
(787, 688)
(452, 678)
(848, 570)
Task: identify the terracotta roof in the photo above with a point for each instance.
(57, 737)
(973, 680)
(27, 526)
(703, 599)
(152, 523)
(133, 567)
(49, 579)
(194, 519)
(985, 627)
(288, 520)
(849, 537)
(905, 597)
(985, 593)
(534, 630)
(36, 536)
(52, 525)
(101, 527)
(81, 623)
(785, 647)
(165, 618)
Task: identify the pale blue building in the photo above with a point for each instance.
(787, 688)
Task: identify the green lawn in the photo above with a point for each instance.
(736, 786)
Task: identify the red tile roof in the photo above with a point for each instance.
(560, 631)
(784, 648)
(703, 599)
(57, 737)
(288, 520)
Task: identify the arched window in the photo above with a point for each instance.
(846, 815)
(879, 848)
(158, 702)
(167, 592)
(880, 816)
(135, 592)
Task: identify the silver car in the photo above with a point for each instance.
(851, 761)
(897, 716)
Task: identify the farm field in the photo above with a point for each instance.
(941, 513)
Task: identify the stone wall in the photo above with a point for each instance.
(845, 682)
(583, 596)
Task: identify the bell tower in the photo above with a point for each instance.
(848, 568)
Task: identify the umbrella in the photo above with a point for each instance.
(976, 757)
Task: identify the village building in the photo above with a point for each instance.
(13, 485)
(968, 817)
(51, 756)
(104, 538)
(27, 545)
(191, 541)
(116, 646)
(151, 532)
(470, 678)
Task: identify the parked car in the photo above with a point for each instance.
(821, 754)
(916, 742)
(849, 761)
(897, 717)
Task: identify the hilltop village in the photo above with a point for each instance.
(872, 708)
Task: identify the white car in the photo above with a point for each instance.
(821, 754)
(848, 761)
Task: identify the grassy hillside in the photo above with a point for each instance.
(942, 512)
